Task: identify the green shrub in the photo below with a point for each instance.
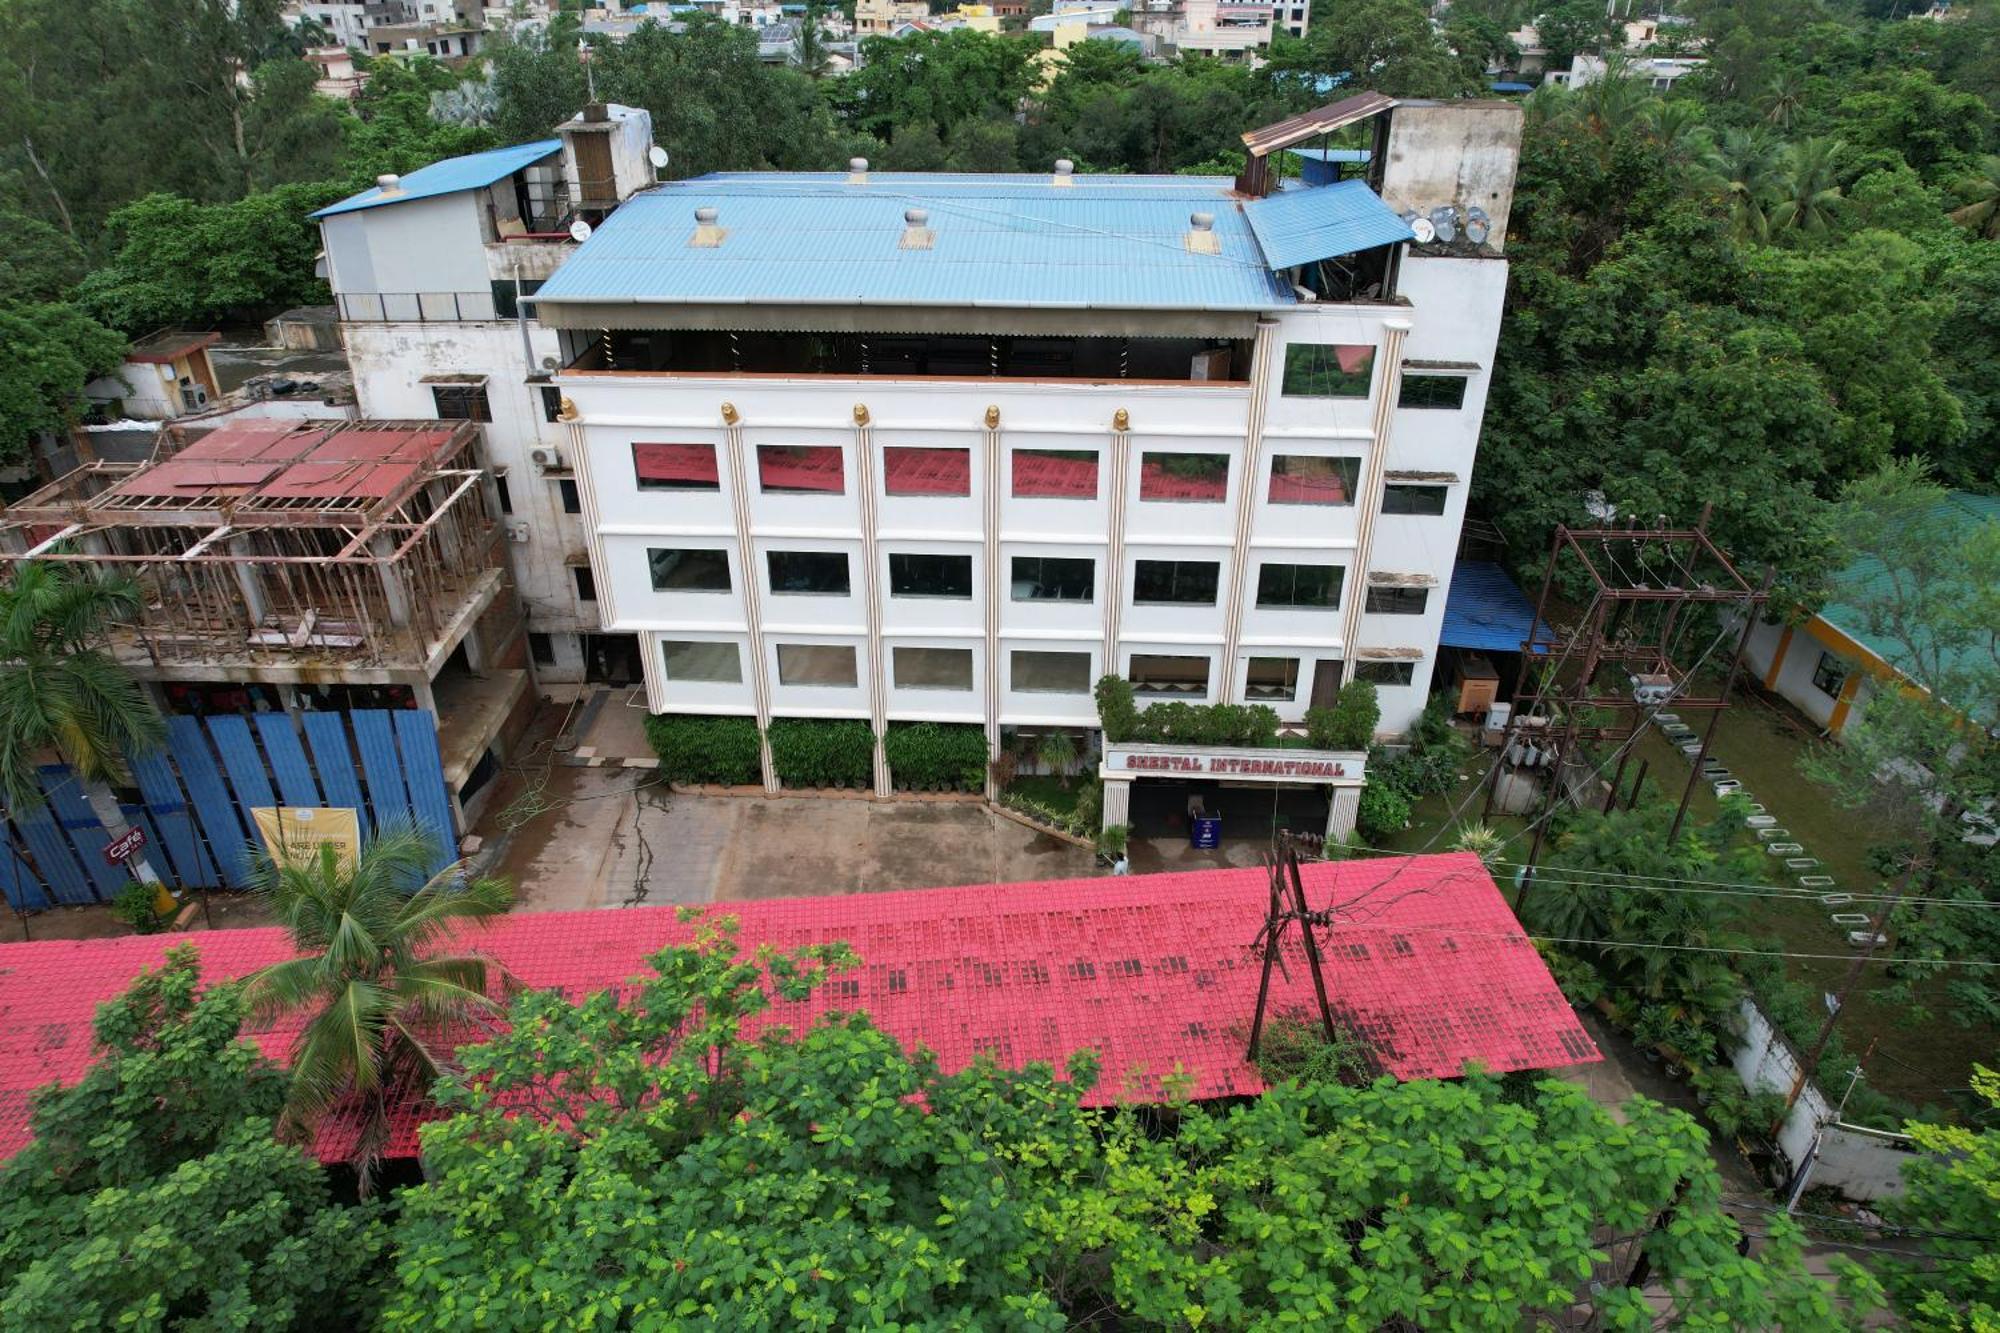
(936, 756)
(1175, 723)
(1116, 711)
(1350, 723)
(134, 906)
(1383, 811)
(1111, 841)
(822, 751)
(695, 748)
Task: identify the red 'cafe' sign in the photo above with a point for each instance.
(1228, 765)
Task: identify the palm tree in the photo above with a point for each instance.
(1982, 189)
(1783, 97)
(1808, 187)
(384, 1008)
(62, 694)
(1674, 123)
(809, 51)
(1740, 168)
(1482, 840)
(1057, 752)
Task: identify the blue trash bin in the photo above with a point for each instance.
(1205, 832)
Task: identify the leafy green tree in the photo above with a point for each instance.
(939, 79)
(1573, 27)
(63, 694)
(38, 262)
(1951, 1204)
(1809, 192)
(539, 81)
(153, 1195)
(1906, 115)
(1980, 188)
(1742, 166)
(633, 1157)
(1389, 46)
(48, 352)
(383, 1003)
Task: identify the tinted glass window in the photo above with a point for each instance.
(675, 467)
(1055, 474)
(689, 569)
(1052, 578)
(1194, 478)
(933, 668)
(1051, 673)
(1410, 498)
(1386, 673)
(1311, 479)
(1155, 674)
(1182, 582)
(1328, 370)
(800, 469)
(687, 659)
(816, 664)
(1389, 601)
(808, 572)
(919, 471)
(914, 575)
(1439, 391)
(1300, 587)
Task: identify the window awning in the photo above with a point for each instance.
(1299, 226)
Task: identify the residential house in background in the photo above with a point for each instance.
(915, 446)
(164, 375)
(880, 18)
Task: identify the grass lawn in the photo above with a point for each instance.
(1046, 790)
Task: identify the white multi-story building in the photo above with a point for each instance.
(948, 447)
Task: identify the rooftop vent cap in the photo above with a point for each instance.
(389, 183)
(1065, 172)
(917, 234)
(707, 233)
(1201, 238)
(857, 171)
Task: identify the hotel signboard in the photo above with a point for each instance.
(1343, 768)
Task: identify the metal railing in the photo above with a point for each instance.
(414, 307)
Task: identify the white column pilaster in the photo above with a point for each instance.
(1370, 499)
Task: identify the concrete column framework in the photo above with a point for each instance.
(871, 586)
(1117, 802)
(395, 596)
(996, 583)
(1343, 807)
(746, 558)
(1370, 499)
(1246, 506)
(607, 610)
(1113, 589)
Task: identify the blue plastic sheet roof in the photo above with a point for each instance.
(812, 238)
(472, 172)
(1300, 226)
(1486, 611)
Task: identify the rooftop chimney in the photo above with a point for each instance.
(917, 234)
(1201, 238)
(857, 171)
(1065, 172)
(707, 235)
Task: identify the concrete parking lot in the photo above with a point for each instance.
(611, 837)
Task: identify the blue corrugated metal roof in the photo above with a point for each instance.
(1299, 226)
(1486, 611)
(1115, 242)
(471, 172)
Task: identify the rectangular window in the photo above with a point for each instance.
(1404, 497)
(816, 664)
(1179, 677)
(1175, 582)
(1386, 673)
(812, 573)
(914, 575)
(586, 583)
(689, 569)
(1313, 479)
(1440, 391)
(932, 668)
(1272, 680)
(1300, 587)
(461, 402)
(551, 403)
(1054, 578)
(697, 659)
(800, 469)
(675, 467)
(910, 470)
(1055, 474)
(506, 295)
(1190, 478)
(1051, 673)
(1829, 674)
(572, 499)
(1328, 370)
(506, 496)
(542, 648)
(1396, 601)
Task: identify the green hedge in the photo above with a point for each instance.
(1350, 723)
(696, 748)
(822, 751)
(1181, 723)
(936, 756)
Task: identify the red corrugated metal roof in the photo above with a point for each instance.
(1152, 971)
(288, 461)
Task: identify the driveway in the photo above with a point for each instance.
(613, 837)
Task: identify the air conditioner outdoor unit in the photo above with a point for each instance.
(547, 458)
(517, 532)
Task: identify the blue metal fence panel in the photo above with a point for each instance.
(136, 817)
(376, 739)
(24, 891)
(79, 822)
(169, 813)
(221, 820)
(53, 857)
(334, 757)
(424, 767)
(244, 765)
(288, 759)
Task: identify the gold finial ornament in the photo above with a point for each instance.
(1121, 420)
(729, 417)
(568, 412)
(860, 414)
(993, 416)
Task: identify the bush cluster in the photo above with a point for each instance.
(936, 756)
(695, 748)
(1181, 723)
(822, 751)
(1349, 722)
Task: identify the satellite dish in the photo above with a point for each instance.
(1444, 222)
(658, 157)
(1423, 230)
(579, 231)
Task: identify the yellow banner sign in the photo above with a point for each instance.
(296, 833)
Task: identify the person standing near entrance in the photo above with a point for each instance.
(1196, 808)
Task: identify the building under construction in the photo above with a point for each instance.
(306, 565)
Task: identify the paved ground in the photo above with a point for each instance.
(616, 837)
